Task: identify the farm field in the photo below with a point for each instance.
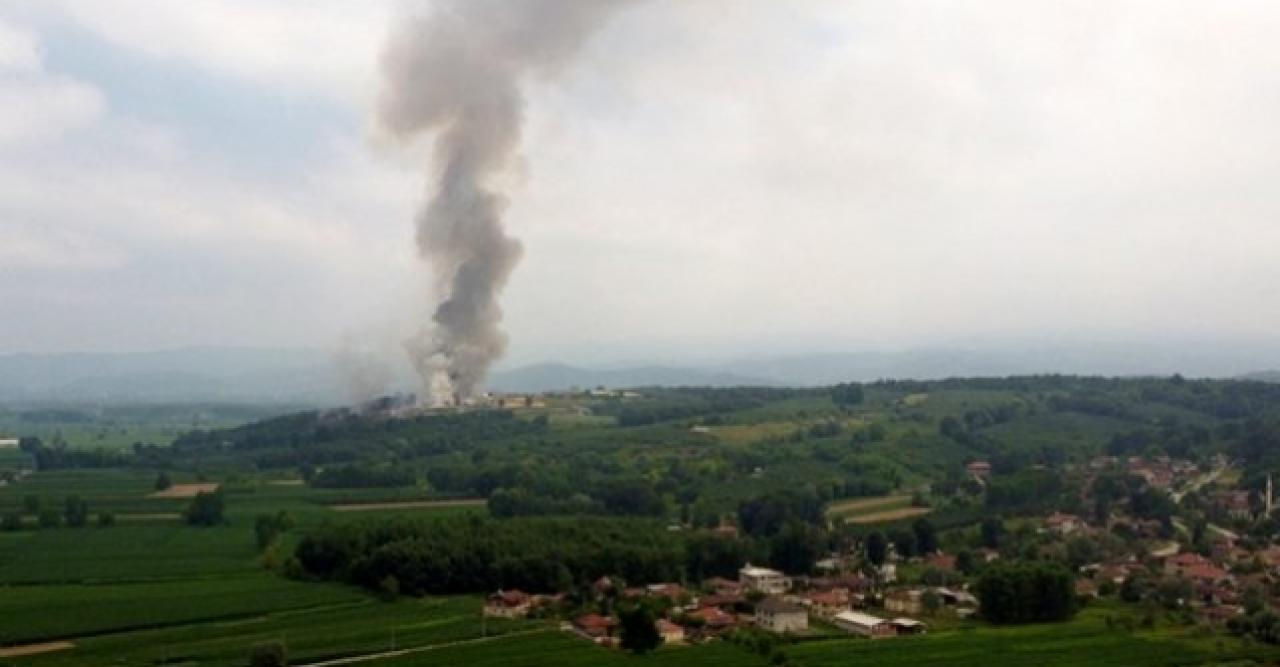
(1086, 641)
(361, 625)
(873, 510)
(553, 647)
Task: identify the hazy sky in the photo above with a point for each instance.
(706, 178)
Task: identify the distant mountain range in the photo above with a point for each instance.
(313, 377)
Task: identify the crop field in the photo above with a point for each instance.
(856, 509)
(562, 649)
(361, 625)
(1084, 642)
(44, 613)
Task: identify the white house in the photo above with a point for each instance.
(863, 624)
(778, 615)
(763, 579)
(9, 443)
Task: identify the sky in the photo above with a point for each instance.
(704, 179)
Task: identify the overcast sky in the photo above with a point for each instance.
(706, 178)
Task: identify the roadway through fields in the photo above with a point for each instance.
(383, 655)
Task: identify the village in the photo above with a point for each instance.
(1208, 573)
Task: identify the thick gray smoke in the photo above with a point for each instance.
(457, 72)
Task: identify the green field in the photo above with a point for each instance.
(1083, 642)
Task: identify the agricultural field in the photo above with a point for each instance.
(1083, 642)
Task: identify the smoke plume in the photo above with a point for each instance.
(457, 72)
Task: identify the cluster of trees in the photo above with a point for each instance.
(1026, 592)
(61, 457)
(471, 554)
(344, 436)
(74, 514)
(362, 476)
(206, 509)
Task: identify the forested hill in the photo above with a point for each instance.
(700, 453)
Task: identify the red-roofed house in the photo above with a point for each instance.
(511, 603)
(594, 626)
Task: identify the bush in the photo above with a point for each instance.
(270, 654)
(106, 519)
(11, 521)
(50, 519)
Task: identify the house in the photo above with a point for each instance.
(907, 626)
(1085, 588)
(904, 601)
(594, 627)
(941, 561)
(953, 597)
(672, 592)
(723, 586)
(1177, 565)
(777, 615)
(714, 620)
(670, 632)
(987, 554)
(1234, 503)
(979, 470)
(1205, 573)
(888, 573)
(763, 579)
(1062, 524)
(9, 443)
(863, 624)
(827, 603)
(603, 586)
(507, 604)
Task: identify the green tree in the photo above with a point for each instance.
(76, 511)
(992, 532)
(847, 394)
(11, 521)
(106, 519)
(162, 481)
(31, 505)
(270, 654)
(205, 509)
(926, 537)
(639, 633)
(267, 527)
(877, 548)
(50, 518)
(1026, 592)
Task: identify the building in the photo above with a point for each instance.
(714, 620)
(9, 443)
(1063, 524)
(763, 579)
(594, 627)
(1234, 503)
(979, 469)
(941, 561)
(863, 624)
(907, 626)
(670, 632)
(507, 604)
(904, 601)
(777, 615)
(827, 603)
(1179, 564)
